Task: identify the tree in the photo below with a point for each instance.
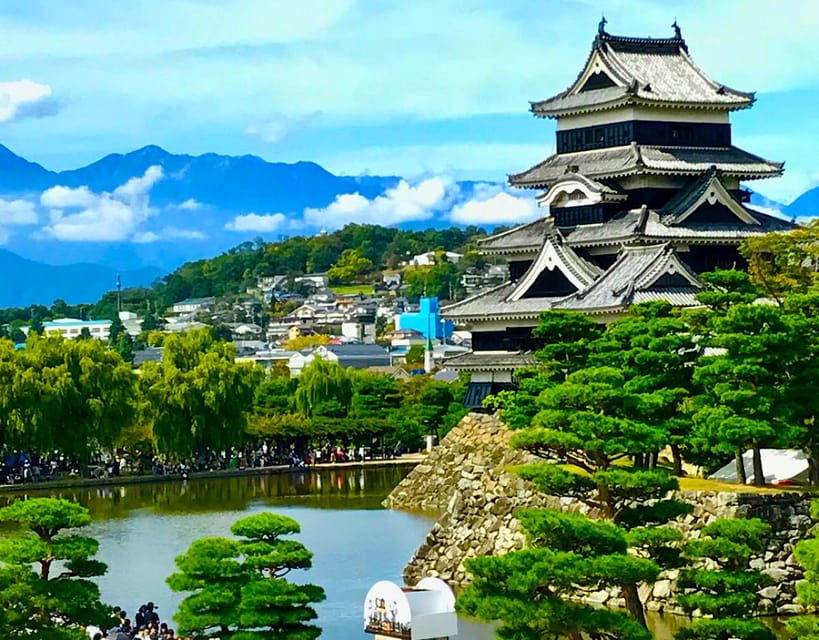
(199, 396)
(783, 263)
(74, 396)
(323, 382)
(727, 594)
(300, 343)
(807, 590)
(533, 592)
(655, 350)
(743, 398)
(239, 587)
(115, 330)
(588, 426)
(36, 603)
(352, 266)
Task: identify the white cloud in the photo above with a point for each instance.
(497, 208)
(17, 212)
(14, 213)
(79, 214)
(26, 99)
(184, 234)
(279, 126)
(402, 203)
(190, 205)
(265, 222)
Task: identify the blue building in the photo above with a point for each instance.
(427, 320)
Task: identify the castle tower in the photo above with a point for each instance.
(643, 193)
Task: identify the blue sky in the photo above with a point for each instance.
(421, 88)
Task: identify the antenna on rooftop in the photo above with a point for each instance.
(119, 294)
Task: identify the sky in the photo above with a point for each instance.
(420, 89)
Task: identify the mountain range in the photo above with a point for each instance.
(185, 215)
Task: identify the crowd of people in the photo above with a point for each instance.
(22, 467)
(145, 624)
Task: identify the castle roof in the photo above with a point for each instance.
(637, 276)
(636, 159)
(654, 71)
(525, 238)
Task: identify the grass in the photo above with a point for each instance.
(704, 484)
(352, 289)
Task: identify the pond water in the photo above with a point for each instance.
(143, 527)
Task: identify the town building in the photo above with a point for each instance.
(193, 305)
(643, 194)
(69, 328)
(427, 320)
(428, 259)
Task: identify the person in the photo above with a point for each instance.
(139, 618)
(150, 614)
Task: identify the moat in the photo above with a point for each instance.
(143, 527)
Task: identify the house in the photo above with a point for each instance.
(151, 354)
(193, 305)
(405, 337)
(269, 358)
(358, 331)
(132, 323)
(428, 259)
(315, 280)
(398, 373)
(269, 283)
(357, 356)
(72, 328)
(181, 327)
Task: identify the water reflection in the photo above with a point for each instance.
(326, 488)
(143, 527)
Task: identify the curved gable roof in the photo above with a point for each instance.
(656, 71)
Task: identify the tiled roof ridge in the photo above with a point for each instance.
(476, 296)
(514, 229)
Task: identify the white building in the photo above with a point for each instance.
(192, 305)
(72, 328)
(428, 259)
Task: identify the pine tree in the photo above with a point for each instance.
(54, 601)
(239, 587)
(728, 593)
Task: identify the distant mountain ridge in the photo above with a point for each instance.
(26, 282)
(198, 194)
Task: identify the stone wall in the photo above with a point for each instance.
(468, 480)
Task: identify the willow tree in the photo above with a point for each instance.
(238, 587)
(72, 395)
(46, 591)
(199, 396)
(323, 383)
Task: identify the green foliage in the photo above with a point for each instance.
(198, 397)
(238, 586)
(568, 337)
(73, 396)
(352, 266)
(38, 604)
(807, 590)
(728, 593)
(322, 382)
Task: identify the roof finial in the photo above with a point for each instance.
(677, 32)
(601, 28)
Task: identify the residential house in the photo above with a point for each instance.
(428, 259)
(193, 305)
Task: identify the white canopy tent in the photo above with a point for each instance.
(779, 466)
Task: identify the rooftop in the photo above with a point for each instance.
(655, 71)
(635, 159)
